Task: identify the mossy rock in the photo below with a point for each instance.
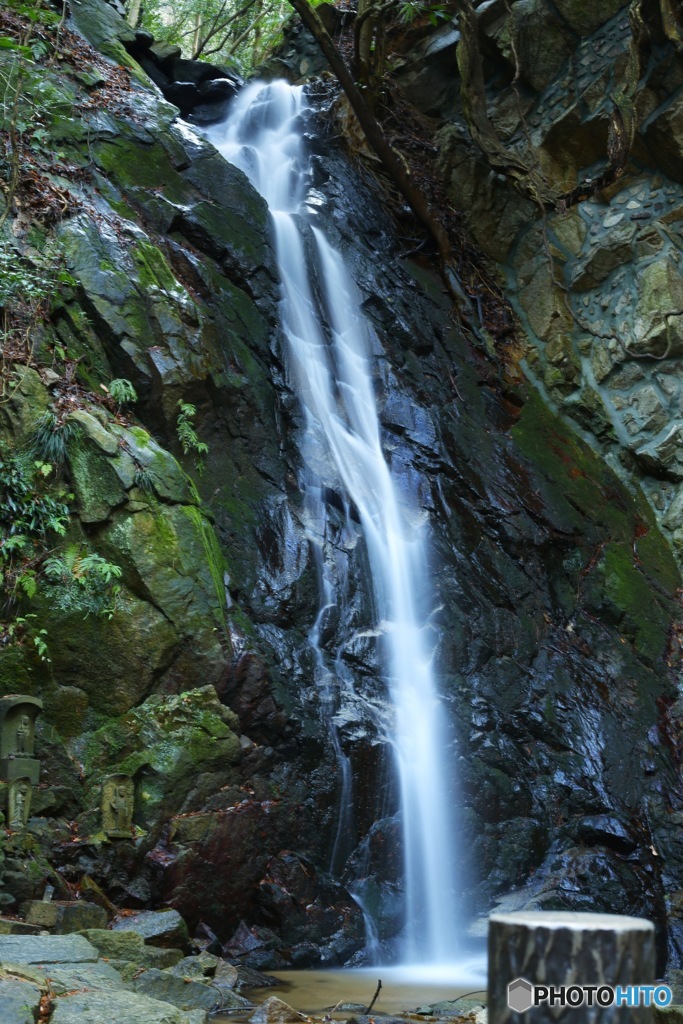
(620, 581)
(169, 553)
(163, 473)
(635, 571)
(165, 744)
(97, 486)
(20, 671)
(131, 947)
(584, 16)
(139, 169)
(27, 400)
(542, 41)
(116, 661)
(66, 708)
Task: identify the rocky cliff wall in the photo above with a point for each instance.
(557, 592)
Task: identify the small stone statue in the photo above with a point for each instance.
(19, 803)
(18, 713)
(117, 806)
(23, 735)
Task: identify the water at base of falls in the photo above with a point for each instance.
(328, 356)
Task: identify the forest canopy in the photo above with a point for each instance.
(237, 32)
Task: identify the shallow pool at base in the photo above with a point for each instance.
(403, 988)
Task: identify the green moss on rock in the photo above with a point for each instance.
(96, 484)
(629, 591)
(632, 571)
(165, 744)
(129, 946)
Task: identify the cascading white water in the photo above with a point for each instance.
(329, 364)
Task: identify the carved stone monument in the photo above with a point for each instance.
(118, 792)
(19, 803)
(18, 714)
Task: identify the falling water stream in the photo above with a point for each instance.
(328, 357)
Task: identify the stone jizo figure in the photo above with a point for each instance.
(18, 713)
(23, 734)
(19, 803)
(117, 806)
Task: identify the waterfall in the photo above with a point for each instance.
(329, 364)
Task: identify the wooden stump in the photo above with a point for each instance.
(554, 949)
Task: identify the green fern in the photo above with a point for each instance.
(188, 436)
(83, 582)
(144, 479)
(122, 391)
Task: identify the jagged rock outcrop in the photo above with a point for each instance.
(597, 288)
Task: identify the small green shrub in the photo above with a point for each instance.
(144, 479)
(188, 436)
(29, 518)
(27, 510)
(83, 582)
(21, 629)
(50, 440)
(122, 391)
(22, 280)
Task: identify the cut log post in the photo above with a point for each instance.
(559, 949)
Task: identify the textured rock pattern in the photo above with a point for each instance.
(599, 290)
(555, 593)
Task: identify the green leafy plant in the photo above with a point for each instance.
(409, 10)
(27, 287)
(19, 278)
(122, 391)
(29, 517)
(27, 510)
(22, 629)
(188, 436)
(83, 582)
(50, 440)
(144, 478)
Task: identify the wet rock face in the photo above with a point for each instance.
(597, 288)
(554, 593)
(316, 914)
(201, 91)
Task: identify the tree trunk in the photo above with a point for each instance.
(394, 164)
(134, 13)
(197, 44)
(567, 949)
(364, 42)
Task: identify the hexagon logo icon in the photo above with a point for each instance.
(520, 995)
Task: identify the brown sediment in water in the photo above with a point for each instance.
(316, 992)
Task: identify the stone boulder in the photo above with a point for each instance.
(122, 1007)
(276, 1011)
(164, 928)
(584, 16)
(19, 1000)
(63, 917)
(131, 947)
(542, 40)
(181, 992)
(314, 914)
(42, 949)
(664, 135)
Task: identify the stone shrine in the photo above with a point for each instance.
(18, 713)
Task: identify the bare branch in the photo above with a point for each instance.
(394, 164)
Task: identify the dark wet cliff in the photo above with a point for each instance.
(557, 584)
